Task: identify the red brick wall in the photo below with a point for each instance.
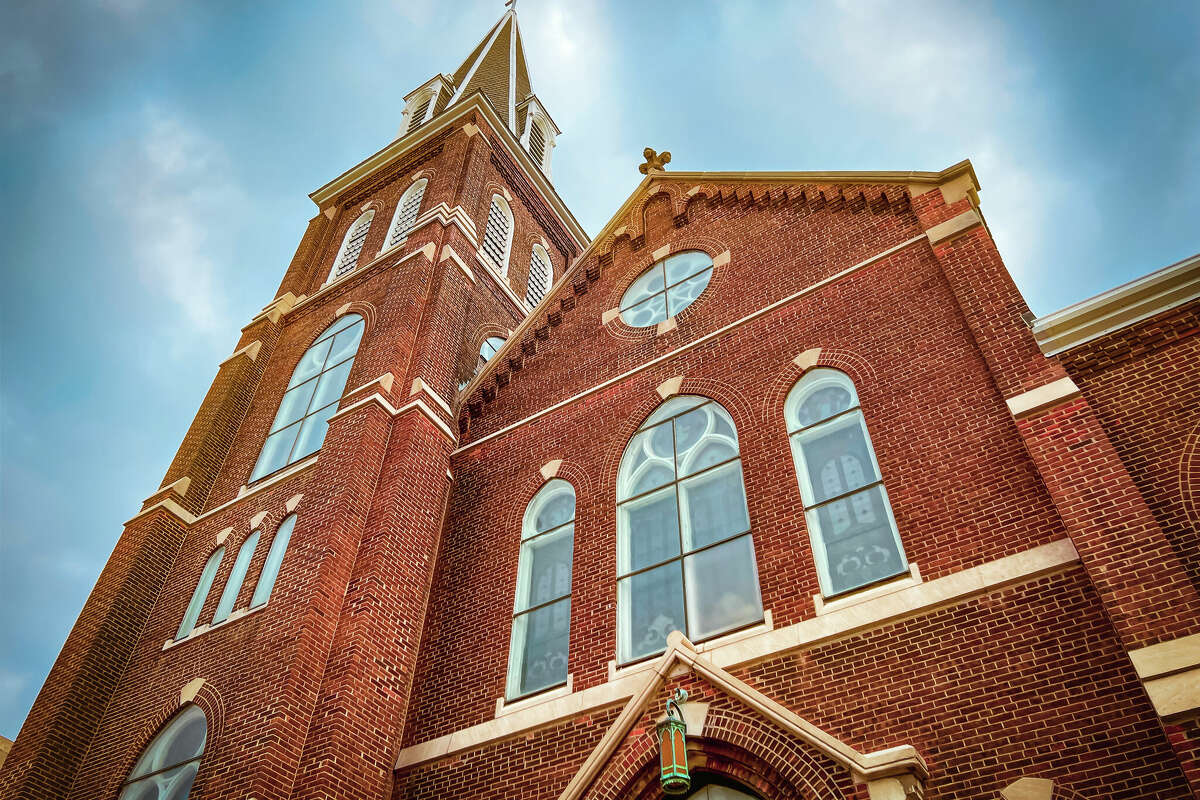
(1143, 381)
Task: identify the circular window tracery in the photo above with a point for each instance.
(668, 287)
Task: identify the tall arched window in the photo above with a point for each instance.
(497, 236)
(488, 349)
(406, 214)
(539, 276)
(270, 570)
(312, 397)
(849, 518)
(169, 763)
(685, 557)
(233, 584)
(541, 626)
(200, 594)
(352, 245)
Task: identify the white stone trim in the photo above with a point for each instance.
(204, 628)
(898, 584)
(1175, 693)
(669, 387)
(1120, 307)
(504, 708)
(250, 351)
(661, 253)
(419, 386)
(360, 270)
(448, 253)
(1166, 657)
(417, 404)
(446, 216)
(678, 350)
(179, 487)
(501, 281)
(759, 645)
(550, 468)
(170, 506)
(953, 227)
(1050, 394)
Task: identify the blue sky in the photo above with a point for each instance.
(156, 158)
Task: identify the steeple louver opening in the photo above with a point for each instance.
(537, 144)
(418, 115)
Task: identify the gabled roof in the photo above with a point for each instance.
(498, 68)
(680, 652)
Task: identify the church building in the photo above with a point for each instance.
(774, 488)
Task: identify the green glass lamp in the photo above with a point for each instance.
(672, 747)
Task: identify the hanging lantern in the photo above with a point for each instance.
(672, 747)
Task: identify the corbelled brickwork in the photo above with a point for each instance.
(1042, 631)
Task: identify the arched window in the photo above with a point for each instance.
(270, 570)
(537, 142)
(352, 245)
(541, 625)
(685, 557)
(497, 237)
(849, 518)
(406, 214)
(668, 287)
(233, 584)
(169, 763)
(539, 276)
(196, 604)
(312, 397)
(488, 349)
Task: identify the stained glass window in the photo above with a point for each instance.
(200, 594)
(685, 555)
(169, 763)
(668, 287)
(849, 518)
(542, 611)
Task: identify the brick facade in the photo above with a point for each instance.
(1053, 544)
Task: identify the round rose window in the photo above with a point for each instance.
(666, 288)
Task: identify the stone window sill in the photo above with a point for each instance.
(200, 630)
(504, 707)
(897, 584)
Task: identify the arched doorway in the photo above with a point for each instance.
(722, 791)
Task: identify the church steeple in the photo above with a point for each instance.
(496, 67)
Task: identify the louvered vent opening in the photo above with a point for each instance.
(354, 246)
(410, 204)
(539, 277)
(537, 143)
(419, 115)
(495, 237)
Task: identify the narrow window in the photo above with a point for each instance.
(168, 765)
(419, 113)
(539, 276)
(312, 397)
(233, 585)
(497, 237)
(352, 245)
(850, 523)
(685, 556)
(668, 287)
(487, 350)
(406, 214)
(537, 143)
(542, 612)
(270, 570)
(196, 604)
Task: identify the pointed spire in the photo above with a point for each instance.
(497, 67)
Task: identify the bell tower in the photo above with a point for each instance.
(277, 579)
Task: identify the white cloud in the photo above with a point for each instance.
(177, 198)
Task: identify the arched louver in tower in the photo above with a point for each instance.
(497, 236)
(200, 593)
(418, 115)
(168, 765)
(685, 556)
(537, 143)
(312, 396)
(542, 611)
(233, 584)
(406, 214)
(539, 276)
(352, 245)
(849, 518)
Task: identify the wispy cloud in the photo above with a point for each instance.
(173, 187)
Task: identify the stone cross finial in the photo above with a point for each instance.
(655, 162)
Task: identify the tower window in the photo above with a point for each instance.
(668, 287)
(270, 570)
(849, 518)
(352, 245)
(233, 584)
(537, 143)
(539, 276)
(488, 349)
(542, 610)
(685, 555)
(418, 115)
(312, 396)
(406, 213)
(497, 236)
(168, 765)
(200, 593)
